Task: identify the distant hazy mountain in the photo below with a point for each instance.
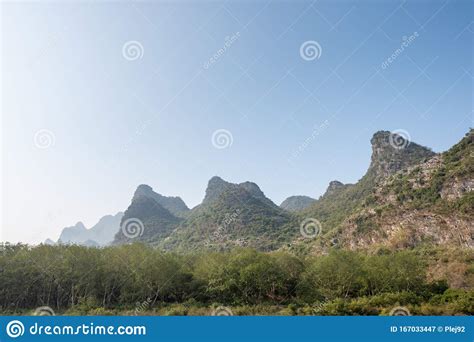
(49, 242)
(296, 203)
(100, 234)
(76, 234)
(90, 243)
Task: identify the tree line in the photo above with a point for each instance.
(122, 276)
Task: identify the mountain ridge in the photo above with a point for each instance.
(240, 215)
(297, 203)
(407, 208)
(231, 215)
(175, 205)
(100, 234)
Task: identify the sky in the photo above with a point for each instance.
(99, 97)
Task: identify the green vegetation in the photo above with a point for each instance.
(234, 218)
(138, 279)
(332, 209)
(457, 165)
(402, 174)
(157, 221)
(403, 202)
(403, 190)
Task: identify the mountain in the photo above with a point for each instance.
(90, 243)
(49, 242)
(392, 152)
(174, 205)
(101, 234)
(296, 203)
(150, 216)
(216, 186)
(75, 234)
(334, 187)
(340, 200)
(408, 196)
(428, 203)
(232, 215)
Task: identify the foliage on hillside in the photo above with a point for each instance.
(417, 189)
(175, 205)
(139, 279)
(332, 209)
(430, 202)
(404, 186)
(152, 221)
(336, 206)
(234, 219)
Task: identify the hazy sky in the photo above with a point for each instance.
(100, 97)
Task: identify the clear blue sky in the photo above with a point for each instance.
(116, 123)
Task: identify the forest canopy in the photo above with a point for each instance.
(80, 280)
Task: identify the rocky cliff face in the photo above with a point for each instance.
(334, 186)
(409, 196)
(428, 203)
(392, 152)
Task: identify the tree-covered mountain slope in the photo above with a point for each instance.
(233, 215)
(432, 202)
(404, 200)
(408, 196)
(146, 219)
(340, 200)
(174, 205)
